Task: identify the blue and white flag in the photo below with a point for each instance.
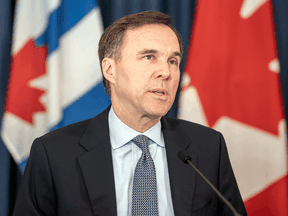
(55, 76)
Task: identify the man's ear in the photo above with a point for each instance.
(108, 69)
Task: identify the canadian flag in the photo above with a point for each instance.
(231, 83)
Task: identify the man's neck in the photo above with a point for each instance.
(137, 122)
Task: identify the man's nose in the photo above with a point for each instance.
(163, 71)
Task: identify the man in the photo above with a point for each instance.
(125, 160)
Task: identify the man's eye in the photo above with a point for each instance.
(149, 57)
(173, 61)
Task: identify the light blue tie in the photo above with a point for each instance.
(144, 192)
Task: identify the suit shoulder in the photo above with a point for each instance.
(74, 131)
(188, 126)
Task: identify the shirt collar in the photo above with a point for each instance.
(121, 134)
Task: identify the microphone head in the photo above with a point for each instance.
(184, 156)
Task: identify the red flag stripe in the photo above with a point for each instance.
(271, 201)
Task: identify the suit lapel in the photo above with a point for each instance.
(96, 165)
(182, 176)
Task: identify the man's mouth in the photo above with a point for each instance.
(159, 92)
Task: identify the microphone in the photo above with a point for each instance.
(185, 158)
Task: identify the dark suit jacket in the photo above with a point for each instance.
(70, 172)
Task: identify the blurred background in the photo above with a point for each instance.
(234, 79)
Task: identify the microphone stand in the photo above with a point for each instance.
(183, 155)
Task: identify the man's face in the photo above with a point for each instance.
(147, 75)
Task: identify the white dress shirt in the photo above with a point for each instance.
(125, 155)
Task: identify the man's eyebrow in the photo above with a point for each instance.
(153, 51)
(177, 54)
(147, 51)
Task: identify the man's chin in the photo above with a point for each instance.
(153, 115)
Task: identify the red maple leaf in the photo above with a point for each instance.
(23, 100)
(228, 64)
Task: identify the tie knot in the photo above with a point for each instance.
(142, 142)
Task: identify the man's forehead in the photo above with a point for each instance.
(151, 27)
(154, 33)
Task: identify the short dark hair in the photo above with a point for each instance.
(111, 40)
